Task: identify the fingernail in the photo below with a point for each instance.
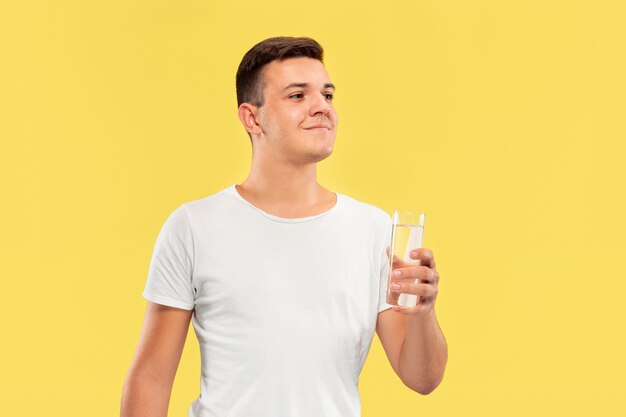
(395, 286)
(397, 273)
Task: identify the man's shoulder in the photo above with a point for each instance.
(217, 197)
(365, 209)
(210, 204)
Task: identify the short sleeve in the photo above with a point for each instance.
(384, 267)
(170, 276)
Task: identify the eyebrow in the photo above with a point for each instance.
(305, 85)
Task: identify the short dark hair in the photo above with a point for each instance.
(249, 81)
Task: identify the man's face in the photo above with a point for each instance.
(297, 118)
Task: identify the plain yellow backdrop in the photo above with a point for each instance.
(502, 120)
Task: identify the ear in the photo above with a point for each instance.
(248, 116)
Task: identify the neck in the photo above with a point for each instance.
(285, 190)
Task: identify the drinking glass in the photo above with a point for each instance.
(407, 234)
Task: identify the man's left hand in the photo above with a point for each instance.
(405, 273)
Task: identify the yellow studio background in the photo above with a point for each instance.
(502, 120)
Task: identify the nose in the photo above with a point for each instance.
(320, 105)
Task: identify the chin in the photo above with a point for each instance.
(319, 155)
(322, 155)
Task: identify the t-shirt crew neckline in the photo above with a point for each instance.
(233, 191)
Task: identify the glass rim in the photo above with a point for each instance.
(408, 217)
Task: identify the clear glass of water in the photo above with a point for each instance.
(407, 234)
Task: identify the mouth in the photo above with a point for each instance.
(318, 126)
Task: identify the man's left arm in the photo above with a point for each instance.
(411, 336)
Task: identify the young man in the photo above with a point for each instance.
(284, 281)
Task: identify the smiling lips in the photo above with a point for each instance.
(318, 126)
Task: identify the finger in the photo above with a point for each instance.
(425, 256)
(397, 261)
(415, 272)
(423, 290)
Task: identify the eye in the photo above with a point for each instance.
(329, 96)
(296, 96)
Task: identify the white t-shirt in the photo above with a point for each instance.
(284, 309)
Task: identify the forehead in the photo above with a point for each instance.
(279, 74)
